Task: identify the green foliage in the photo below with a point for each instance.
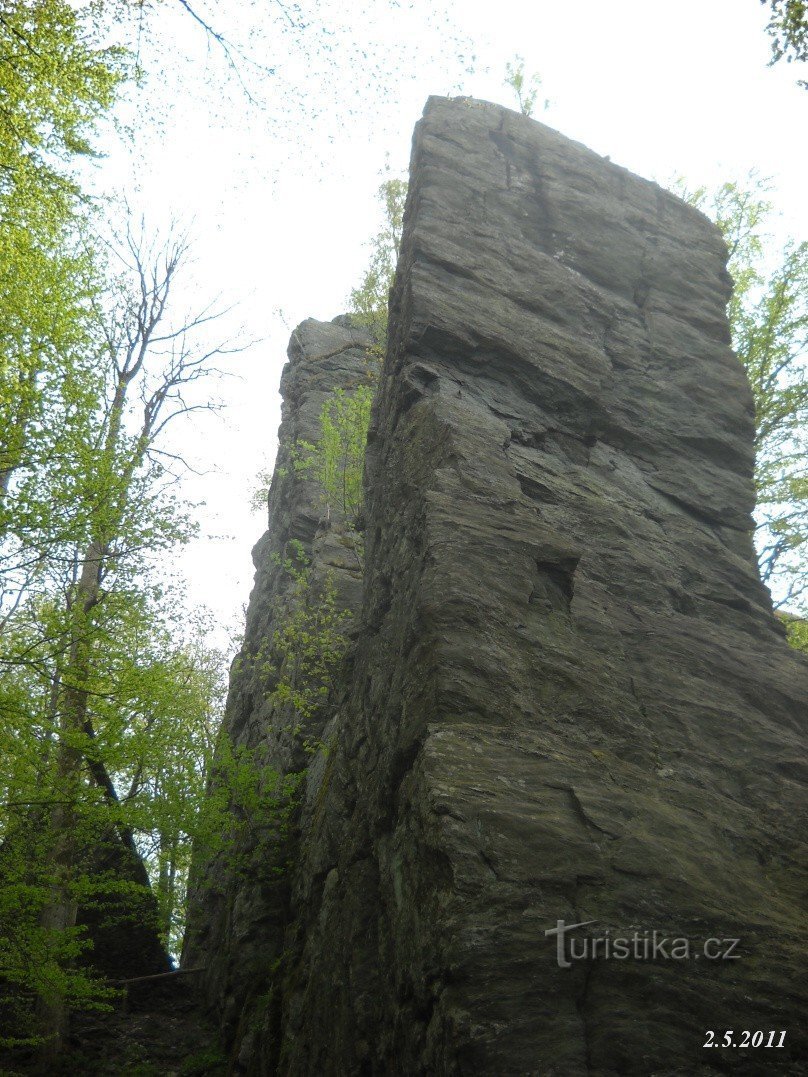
(56, 83)
(157, 733)
(244, 820)
(247, 798)
(526, 88)
(337, 460)
(369, 302)
(310, 639)
(57, 80)
(247, 808)
(37, 962)
(107, 701)
(788, 29)
(208, 1062)
(260, 491)
(151, 725)
(768, 316)
(797, 629)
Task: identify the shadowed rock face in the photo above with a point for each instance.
(239, 900)
(568, 697)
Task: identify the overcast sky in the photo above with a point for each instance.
(279, 190)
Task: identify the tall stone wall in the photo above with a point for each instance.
(239, 897)
(569, 698)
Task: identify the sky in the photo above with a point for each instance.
(273, 168)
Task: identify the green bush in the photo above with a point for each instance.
(337, 460)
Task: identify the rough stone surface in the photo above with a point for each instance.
(569, 697)
(124, 929)
(239, 903)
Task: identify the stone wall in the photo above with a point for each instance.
(239, 900)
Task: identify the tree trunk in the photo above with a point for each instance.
(59, 915)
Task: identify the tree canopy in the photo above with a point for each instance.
(109, 696)
(768, 315)
(788, 29)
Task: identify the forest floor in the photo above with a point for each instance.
(160, 1030)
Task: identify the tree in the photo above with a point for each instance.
(105, 705)
(93, 681)
(57, 80)
(526, 89)
(158, 702)
(797, 629)
(56, 83)
(788, 29)
(368, 303)
(337, 460)
(155, 704)
(768, 315)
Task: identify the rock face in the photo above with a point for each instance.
(123, 929)
(239, 905)
(568, 698)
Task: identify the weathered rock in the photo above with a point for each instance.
(118, 927)
(240, 898)
(569, 697)
(123, 927)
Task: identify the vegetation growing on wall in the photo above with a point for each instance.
(525, 87)
(369, 301)
(336, 461)
(308, 644)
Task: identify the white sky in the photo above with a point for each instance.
(282, 197)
